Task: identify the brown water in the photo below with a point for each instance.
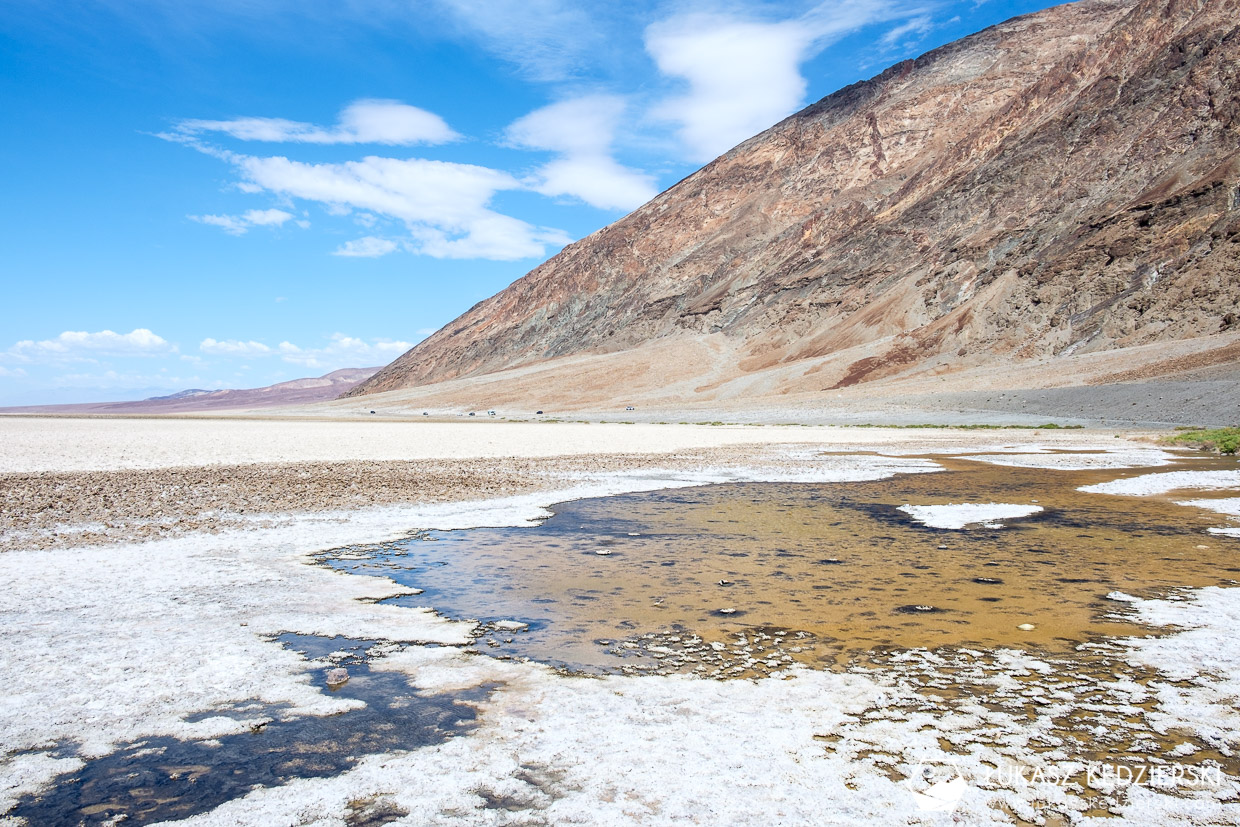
(813, 572)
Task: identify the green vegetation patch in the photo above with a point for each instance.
(1223, 440)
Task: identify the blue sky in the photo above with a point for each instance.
(238, 192)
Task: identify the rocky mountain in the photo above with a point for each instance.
(1064, 183)
(292, 392)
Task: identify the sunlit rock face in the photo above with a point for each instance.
(1064, 183)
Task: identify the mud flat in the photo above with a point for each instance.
(131, 662)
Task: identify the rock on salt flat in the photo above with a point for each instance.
(1162, 482)
(960, 515)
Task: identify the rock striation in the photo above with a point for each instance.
(1064, 183)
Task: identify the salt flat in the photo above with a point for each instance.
(106, 646)
(29, 444)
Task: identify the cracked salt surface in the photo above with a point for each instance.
(1163, 482)
(113, 645)
(1041, 457)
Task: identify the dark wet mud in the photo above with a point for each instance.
(161, 779)
(648, 582)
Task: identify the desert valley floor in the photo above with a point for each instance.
(604, 623)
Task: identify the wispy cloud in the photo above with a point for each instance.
(80, 345)
(581, 131)
(548, 40)
(241, 224)
(340, 351)
(908, 33)
(743, 74)
(344, 351)
(234, 347)
(123, 380)
(362, 122)
(366, 247)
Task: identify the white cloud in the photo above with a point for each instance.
(361, 122)
(266, 218)
(341, 351)
(79, 345)
(444, 205)
(231, 224)
(744, 75)
(240, 224)
(344, 351)
(366, 247)
(234, 347)
(581, 131)
(12, 373)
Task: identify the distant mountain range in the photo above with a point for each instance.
(293, 392)
(1066, 183)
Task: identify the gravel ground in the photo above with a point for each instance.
(47, 509)
(1146, 404)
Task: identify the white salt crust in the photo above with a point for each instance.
(961, 515)
(108, 645)
(1037, 456)
(103, 645)
(1229, 506)
(1160, 483)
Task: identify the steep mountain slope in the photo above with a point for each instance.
(1066, 182)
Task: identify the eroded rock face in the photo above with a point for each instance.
(1064, 182)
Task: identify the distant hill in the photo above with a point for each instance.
(1066, 183)
(293, 392)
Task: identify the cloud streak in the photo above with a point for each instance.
(548, 40)
(241, 224)
(366, 247)
(340, 351)
(367, 121)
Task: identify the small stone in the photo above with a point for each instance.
(338, 676)
(728, 611)
(603, 552)
(1026, 627)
